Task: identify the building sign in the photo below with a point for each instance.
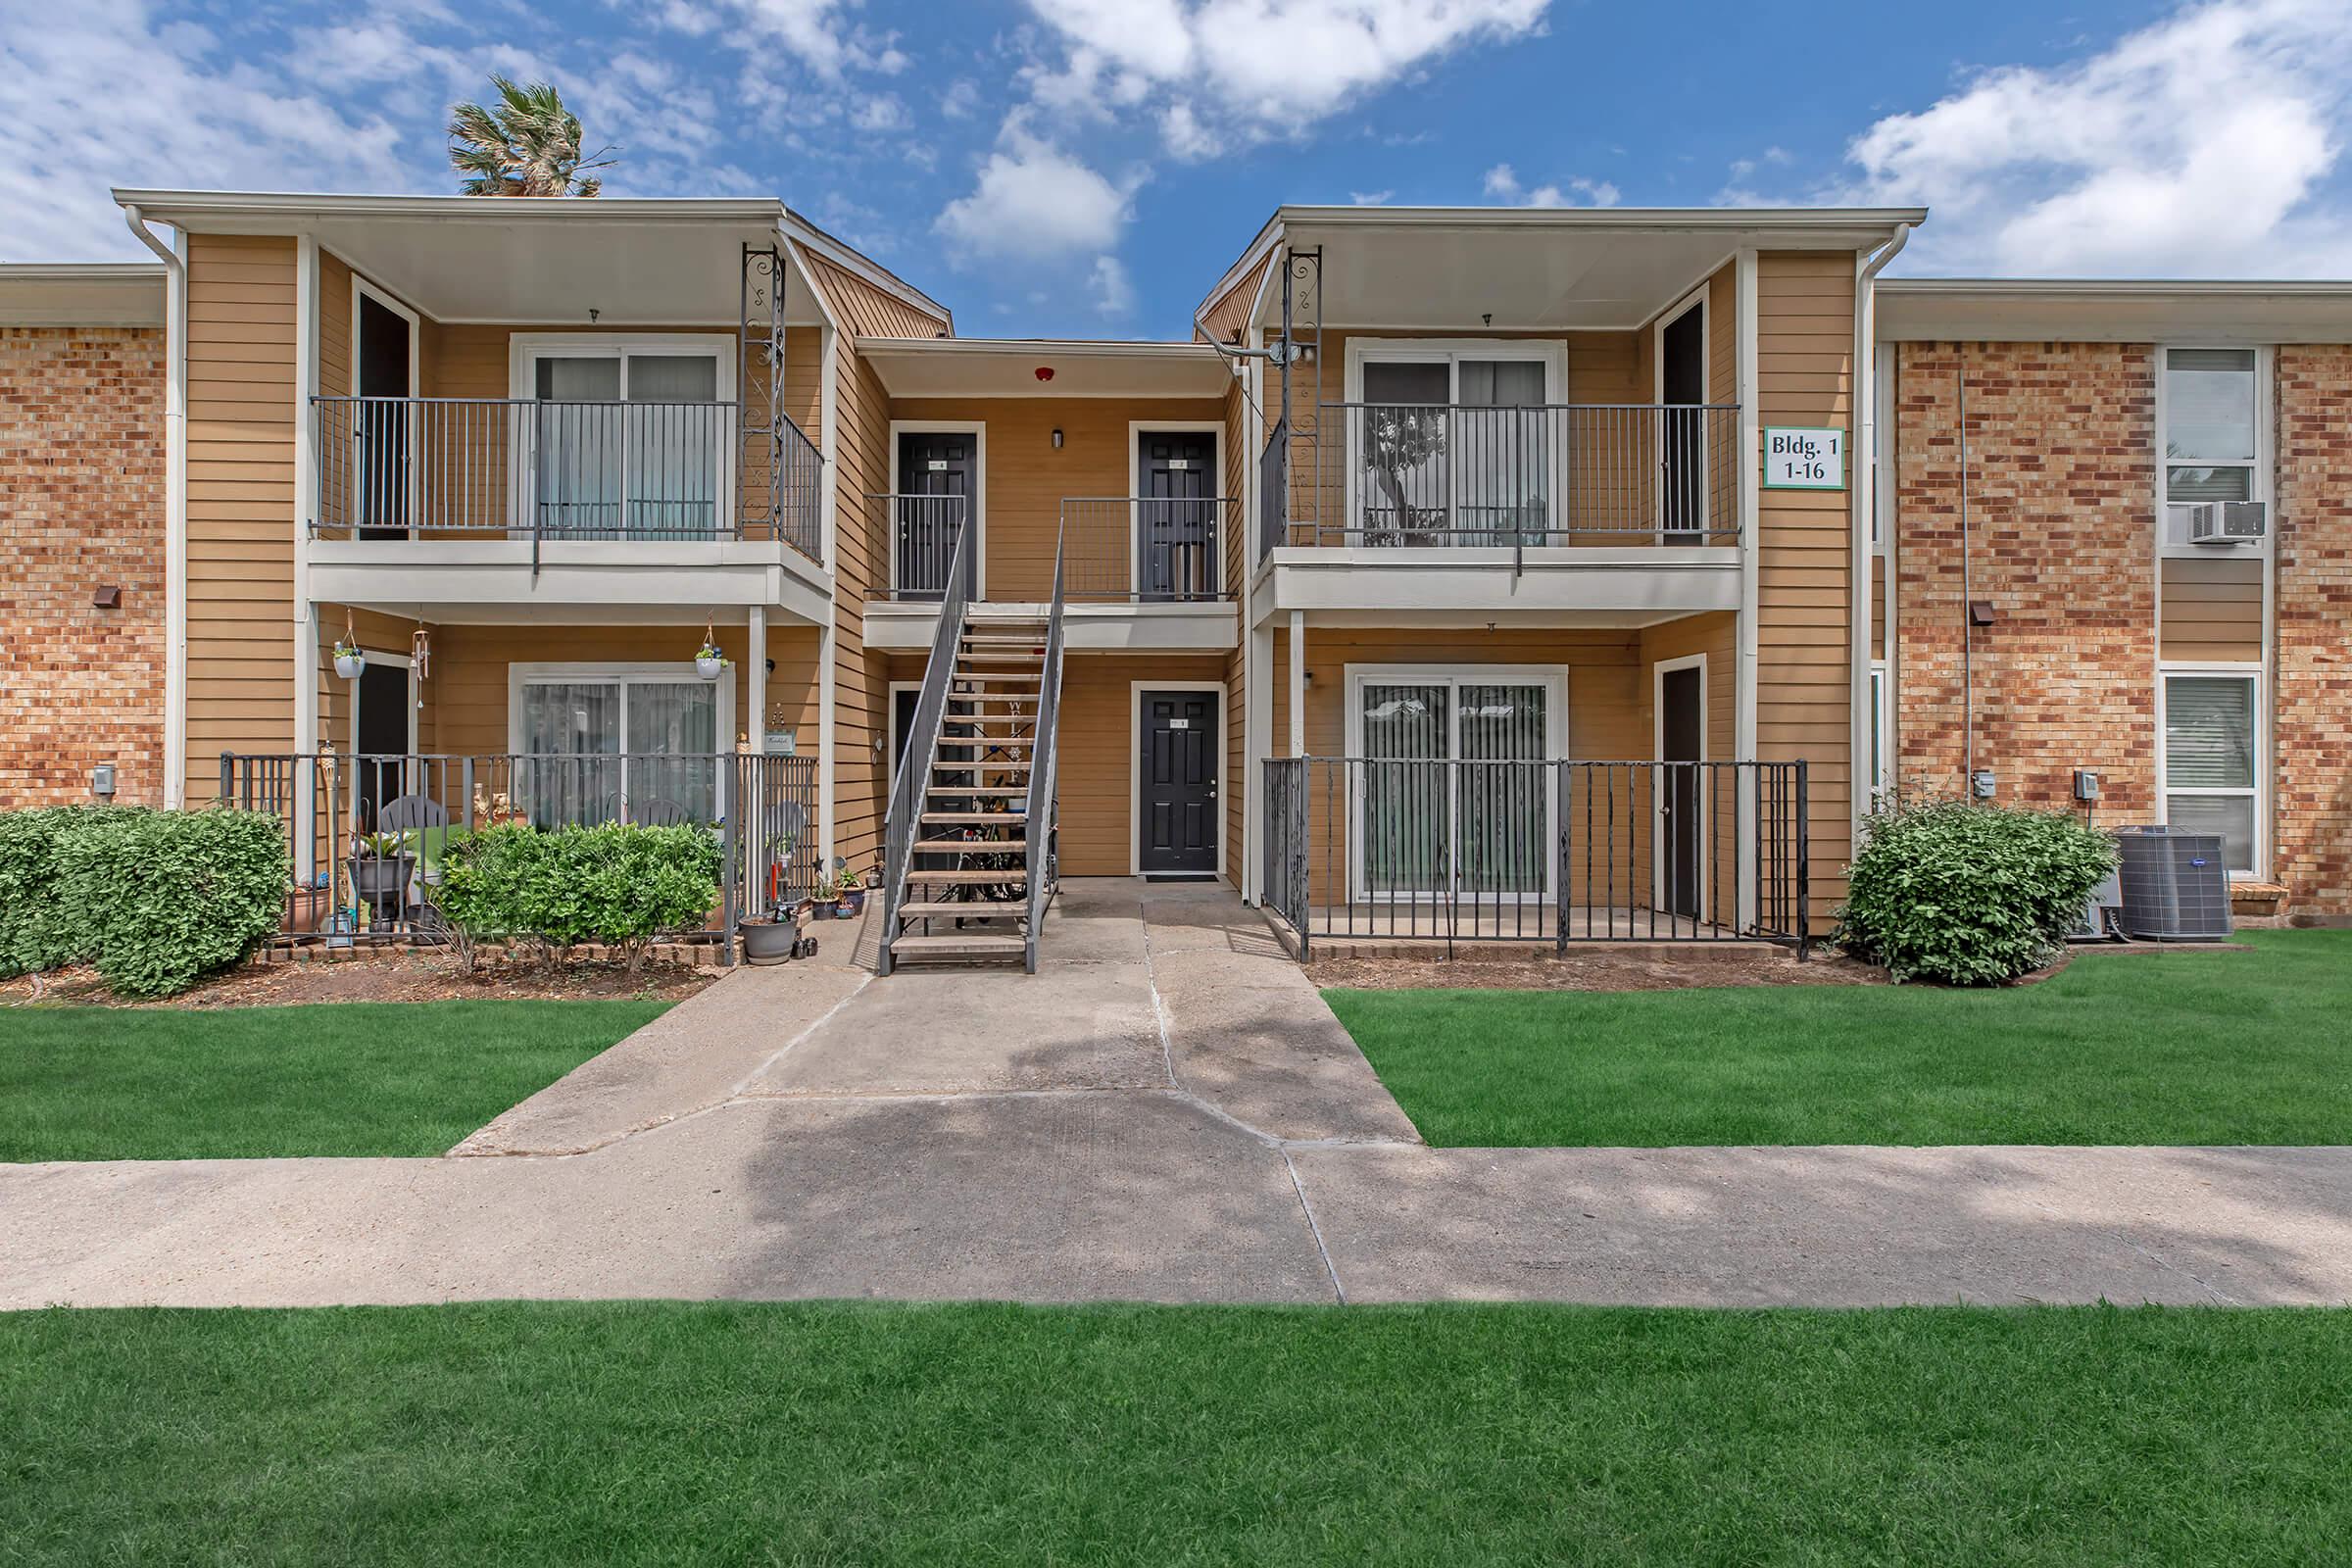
(1800, 458)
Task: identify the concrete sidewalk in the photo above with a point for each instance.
(1166, 1111)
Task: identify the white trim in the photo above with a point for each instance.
(977, 430)
(2260, 792)
(828, 753)
(1135, 772)
(1882, 705)
(306, 385)
(890, 750)
(1556, 680)
(175, 528)
(1748, 458)
(1657, 751)
(2262, 466)
(376, 657)
(1694, 300)
(1550, 352)
(1137, 429)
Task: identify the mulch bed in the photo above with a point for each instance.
(396, 975)
(1594, 969)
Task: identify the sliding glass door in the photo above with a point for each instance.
(1454, 447)
(1451, 796)
(599, 747)
(628, 445)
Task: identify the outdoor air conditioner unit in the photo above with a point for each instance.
(2175, 886)
(2226, 523)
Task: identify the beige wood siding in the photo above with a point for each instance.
(1096, 763)
(240, 477)
(865, 311)
(1804, 354)
(2212, 609)
(862, 691)
(1228, 312)
(1024, 479)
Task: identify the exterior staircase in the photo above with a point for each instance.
(968, 867)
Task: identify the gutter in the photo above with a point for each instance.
(1865, 494)
(176, 508)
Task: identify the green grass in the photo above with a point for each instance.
(350, 1078)
(2219, 1047)
(745, 1433)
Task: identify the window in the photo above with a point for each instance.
(2212, 430)
(627, 438)
(1451, 445)
(2210, 727)
(1877, 733)
(1451, 793)
(605, 745)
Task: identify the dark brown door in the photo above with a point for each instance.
(383, 721)
(1178, 763)
(381, 430)
(1683, 454)
(1681, 725)
(1176, 537)
(936, 490)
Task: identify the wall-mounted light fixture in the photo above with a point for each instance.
(1058, 440)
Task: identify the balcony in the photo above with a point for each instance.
(1609, 506)
(544, 472)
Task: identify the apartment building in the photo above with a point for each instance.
(1468, 573)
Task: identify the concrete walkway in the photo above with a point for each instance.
(1166, 1112)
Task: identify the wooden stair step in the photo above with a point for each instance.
(970, 876)
(969, 908)
(960, 943)
(980, 767)
(967, 846)
(973, 818)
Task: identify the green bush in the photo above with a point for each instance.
(618, 885)
(1969, 894)
(42, 926)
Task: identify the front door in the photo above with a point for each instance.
(1682, 723)
(1682, 455)
(1175, 544)
(936, 499)
(381, 431)
(381, 735)
(1178, 796)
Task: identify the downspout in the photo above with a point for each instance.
(176, 510)
(1865, 457)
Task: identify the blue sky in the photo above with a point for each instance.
(1088, 167)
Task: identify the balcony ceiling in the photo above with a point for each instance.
(1582, 269)
(1008, 367)
(642, 263)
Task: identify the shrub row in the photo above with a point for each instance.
(156, 900)
(1968, 894)
(620, 885)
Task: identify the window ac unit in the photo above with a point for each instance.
(2227, 523)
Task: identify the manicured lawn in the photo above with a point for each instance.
(2221, 1047)
(355, 1078)
(738, 1433)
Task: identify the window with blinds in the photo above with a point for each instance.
(2209, 760)
(2211, 432)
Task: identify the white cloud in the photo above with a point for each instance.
(1114, 293)
(1371, 198)
(1503, 183)
(962, 99)
(881, 114)
(1243, 70)
(2199, 144)
(1032, 200)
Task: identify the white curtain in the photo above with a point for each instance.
(673, 730)
(578, 438)
(570, 769)
(673, 446)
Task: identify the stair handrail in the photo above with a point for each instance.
(1037, 822)
(910, 788)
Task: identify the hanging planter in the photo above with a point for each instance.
(709, 662)
(349, 661)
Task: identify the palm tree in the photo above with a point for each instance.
(528, 144)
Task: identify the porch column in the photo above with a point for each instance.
(1297, 683)
(755, 666)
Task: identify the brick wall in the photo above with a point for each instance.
(2312, 708)
(2062, 509)
(81, 506)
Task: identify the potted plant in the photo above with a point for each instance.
(380, 864)
(824, 900)
(709, 662)
(772, 938)
(349, 659)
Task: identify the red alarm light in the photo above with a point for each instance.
(1044, 373)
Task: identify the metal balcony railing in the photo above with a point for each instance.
(921, 533)
(518, 468)
(1541, 851)
(1146, 549)
(1438, 474)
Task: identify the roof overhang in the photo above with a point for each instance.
(82, 294)
(2112, 311)
(1008, 367)
(633, 261)
(1585, 269)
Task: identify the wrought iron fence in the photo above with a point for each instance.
(1151, 549)
(1540, 852)
(1274, 488)
(922, 531)
(367, 834)
(544, 469)
(1439, 474)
